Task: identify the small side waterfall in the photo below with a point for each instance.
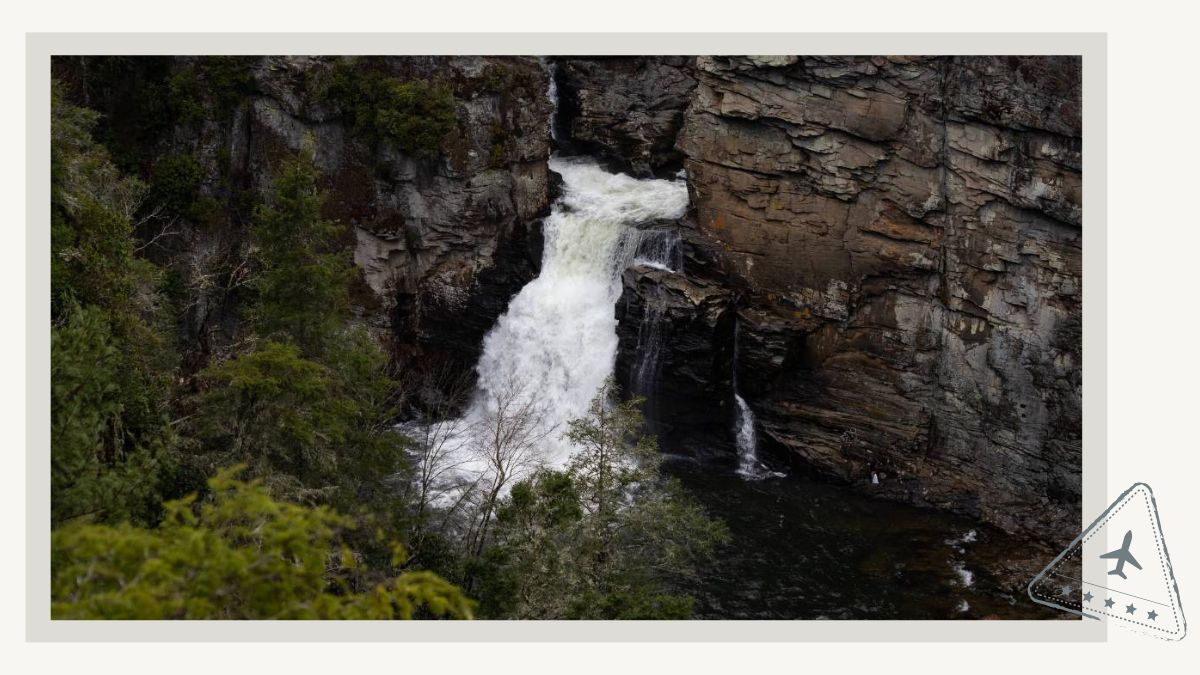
(649, 345)
(659, 249)
(747, 435)
(747, 440)
(552, 94)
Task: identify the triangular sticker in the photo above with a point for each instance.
(1118, 570)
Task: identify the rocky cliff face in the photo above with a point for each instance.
(895, 241)
(442, 241)
(625, 109)
(899, 240)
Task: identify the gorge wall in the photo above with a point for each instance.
(898, 240)
(442, 241)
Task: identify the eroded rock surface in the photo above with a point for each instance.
(442, 242)
(896, 241)
(900, 239)
(626, 109)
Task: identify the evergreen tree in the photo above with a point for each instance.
(309, 406)
(111, 355)
(603, 539)
(238, 555)
(303, 286)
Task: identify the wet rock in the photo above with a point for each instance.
(900, 239)
(676, 344)
(626, 109)
(442, 241)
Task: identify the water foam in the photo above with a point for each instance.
(749, 467)
(557, 342)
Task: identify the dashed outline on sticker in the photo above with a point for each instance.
(1038, 594)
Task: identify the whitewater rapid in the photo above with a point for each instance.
(557, 342)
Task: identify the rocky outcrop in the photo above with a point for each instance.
(901, 239)
(675, 328)
(896, 241)
(442, 241)
(625, 109)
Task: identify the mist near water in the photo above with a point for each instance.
(557, 343)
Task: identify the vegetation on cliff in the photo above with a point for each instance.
(416, 115)
(265, 478)
(111, 346)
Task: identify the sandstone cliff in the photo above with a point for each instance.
(898, 241)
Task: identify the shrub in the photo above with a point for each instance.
(416, 115)
(221, 82)
(175, 188)
(238, 555)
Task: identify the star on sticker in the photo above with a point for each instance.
(1130, 609)
(1152, 615)
(1087, 597)
(1108, 602)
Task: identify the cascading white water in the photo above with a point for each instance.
(552, 94)
(557, 342)
(747, 436)
(747, 440)
(660, 249)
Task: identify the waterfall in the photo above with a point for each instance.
(747, 440)
(649, 345)
(658, 249)
(747, 436)
(552, 94)
(556, 344)
(661, 249)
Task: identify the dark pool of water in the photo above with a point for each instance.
(805, 549)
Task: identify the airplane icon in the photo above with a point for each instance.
(1122, 556)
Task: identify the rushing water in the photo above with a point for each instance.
(557, 343)
(552, 94)
(659, 249)
(747, 440)
(800, 548)
(744, 430)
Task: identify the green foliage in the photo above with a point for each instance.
(132, 93)
(94, 474)
(229, 79)
(307, 403)
(273, 410)
(210, 85)
(508, 80)
(308, 406)
(602, 540)
(303, 288)
(501, 142)
(175, 188)
(92, 248)
(175, 182)
(415, 115)
(238, 555)
(185, 96)
(111, 362)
